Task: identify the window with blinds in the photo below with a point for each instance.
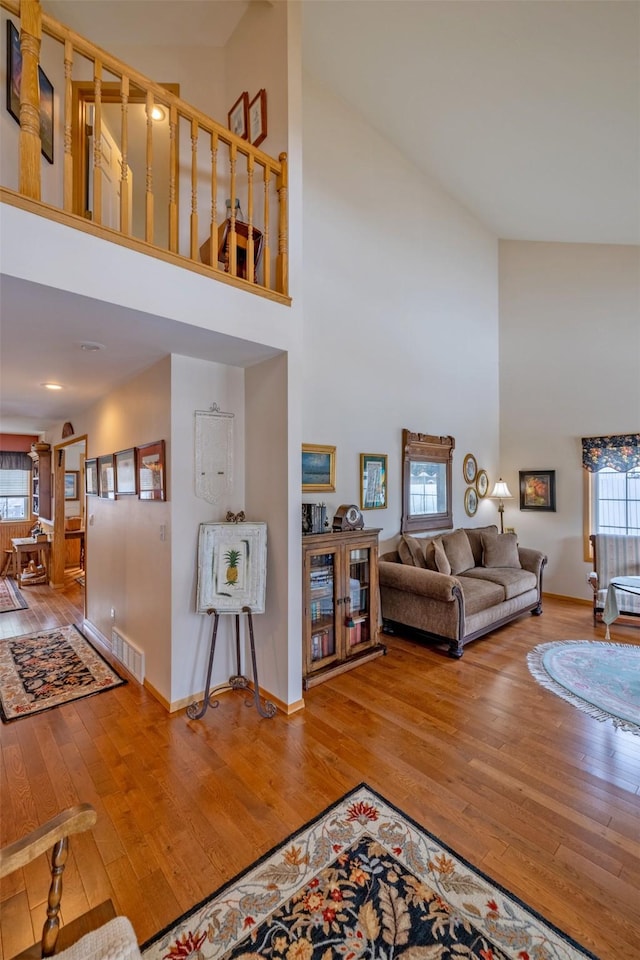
(14, 494)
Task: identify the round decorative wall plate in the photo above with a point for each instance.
(469, 468)
(471, 501)
(482, 483)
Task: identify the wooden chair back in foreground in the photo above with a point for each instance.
(54, 835)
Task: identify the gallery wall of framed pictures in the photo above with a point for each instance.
(135, 471)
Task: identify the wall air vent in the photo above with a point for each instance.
(128, 655)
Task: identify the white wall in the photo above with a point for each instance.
(569, 367)
(128, 566)
(401, 310)
(196, 385)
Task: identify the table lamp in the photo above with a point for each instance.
(501, 493)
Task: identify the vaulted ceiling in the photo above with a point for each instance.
(527, 112)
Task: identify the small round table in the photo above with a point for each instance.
(611, 611)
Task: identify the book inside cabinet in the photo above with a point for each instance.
(340, 603)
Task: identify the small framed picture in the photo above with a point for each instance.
(538, 490)
(238, 116)
(469, 468)
(91, 483)
(258, 118)
(482, 483)
(71, 483)
(151, 470)
(14, 76)
(126, 476)
(471, 501)
(373, 481)
(107, 477)
(318, 468)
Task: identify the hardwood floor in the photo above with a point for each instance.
(535, 793)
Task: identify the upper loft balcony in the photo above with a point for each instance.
(103, 148)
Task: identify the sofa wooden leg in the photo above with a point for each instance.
(537, 611)
(455, 650)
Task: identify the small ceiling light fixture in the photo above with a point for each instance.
(52, 386)
(158, 113)
(90, 346)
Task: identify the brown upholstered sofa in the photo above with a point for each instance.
(460, 585)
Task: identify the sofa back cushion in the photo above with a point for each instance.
(440, 559)
(411, 551)
(500, 550)
(458, 550)
(475, 539)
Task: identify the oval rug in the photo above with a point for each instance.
(601, 679)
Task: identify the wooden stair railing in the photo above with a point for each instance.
(232, 173)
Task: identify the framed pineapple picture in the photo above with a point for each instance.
(232, 567)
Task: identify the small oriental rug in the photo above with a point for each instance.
(599, 678)
(362, 882)
(39, 671)
(10, 596)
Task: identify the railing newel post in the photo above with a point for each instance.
(282, 265)
(30, 144)
(67, 188)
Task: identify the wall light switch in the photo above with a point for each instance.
(163, 531)
(91, 519)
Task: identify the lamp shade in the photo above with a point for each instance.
(501, 491)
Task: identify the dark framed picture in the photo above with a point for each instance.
(238, 116)
(151, 471)
(71, 483)
(258, 118)
(538, 490)
(14, 76)
(106, 482)
(318, 468)
(373, 481)
(91, 481)
(126, 474)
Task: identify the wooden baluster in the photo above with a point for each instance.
(232, 244)
(282, 263)
(67, 189)
(250, 240)
(213, 227)
(266, 248)
(173, 164)
(125, 213)
(148, 230)
(97, 143)
(194, 190)
(30, 143)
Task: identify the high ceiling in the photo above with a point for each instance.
(526, 111)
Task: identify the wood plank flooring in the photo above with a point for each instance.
(541, 797)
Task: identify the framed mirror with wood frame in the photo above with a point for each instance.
(426, 482)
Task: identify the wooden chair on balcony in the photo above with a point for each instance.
(96, 934)
(242, 244)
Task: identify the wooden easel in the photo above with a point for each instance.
(237, 682)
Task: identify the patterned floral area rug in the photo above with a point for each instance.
(599, 678)
(362, 882)
(10, 596)
(39, 671)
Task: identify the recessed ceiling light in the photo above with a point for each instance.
(52, 386)
(90, 346)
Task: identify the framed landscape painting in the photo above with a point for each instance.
(318, 468)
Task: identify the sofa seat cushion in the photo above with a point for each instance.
(479, 594)
(513, 581)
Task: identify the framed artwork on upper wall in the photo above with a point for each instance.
(258, 118)
(14, 76)
(469, 468)
(538, 490)
(373, 481)
(238, 116)
(126, 475)
(318, 468)
(91, 484)
(107, 481)
(151, 471)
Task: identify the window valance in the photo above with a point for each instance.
(621, 453)
(10, 460)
